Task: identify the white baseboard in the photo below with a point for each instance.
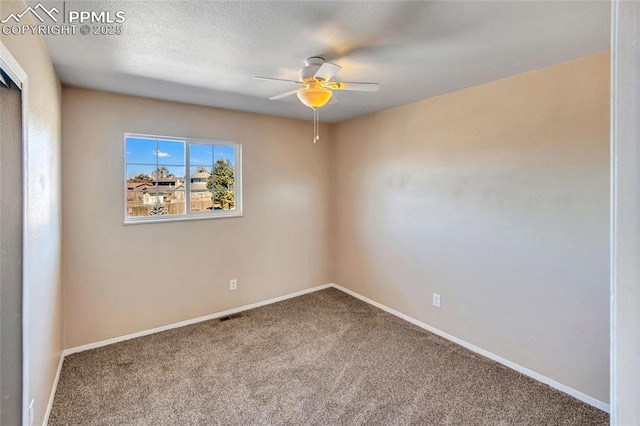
(527, 372)
(53, 391)
(232, 311)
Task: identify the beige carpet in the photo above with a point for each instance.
(325, 358)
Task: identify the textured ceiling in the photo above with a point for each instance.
(207, 52)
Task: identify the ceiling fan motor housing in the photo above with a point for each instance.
(312, 65)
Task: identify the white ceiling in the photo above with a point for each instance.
(207, 52)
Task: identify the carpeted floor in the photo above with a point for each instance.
(325, 358)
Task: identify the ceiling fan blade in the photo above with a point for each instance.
(284, 95)
(327, 70)
(278, 79)
(361, 87)
(334, 100)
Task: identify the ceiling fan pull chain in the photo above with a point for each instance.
(316, 126)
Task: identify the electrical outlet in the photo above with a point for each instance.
(31, 406)
(233, 284)
(436, 300)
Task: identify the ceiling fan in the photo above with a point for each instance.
(316, 88)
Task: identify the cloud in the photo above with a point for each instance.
(161, 154)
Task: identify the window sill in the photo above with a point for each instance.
(183, 218)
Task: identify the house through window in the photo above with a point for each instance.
(170, 178)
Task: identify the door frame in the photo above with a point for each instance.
(624, 379)
(13, 69)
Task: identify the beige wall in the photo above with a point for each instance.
(125, 279)
(497, 198)
(42, 262)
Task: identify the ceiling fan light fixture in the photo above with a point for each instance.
(315, 97)
(317, 85)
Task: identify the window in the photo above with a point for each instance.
(177, 178)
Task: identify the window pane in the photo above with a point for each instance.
(140, 177)
(171, 152)
(140, 203)
(232, 178)
(169, 178)
(224, 200)
(141, 150)
(201, 201)
(223, 178)
(200, 192)
(171, 202)
(225, 153)
(201, 155)
(200, 172)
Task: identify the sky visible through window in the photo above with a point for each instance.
(142, 154)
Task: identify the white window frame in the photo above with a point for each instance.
(213, 214)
